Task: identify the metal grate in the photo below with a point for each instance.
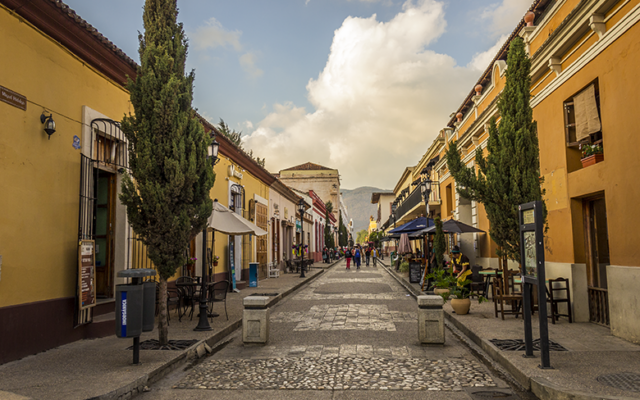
(624, 380)
(153, 344)
(598, 306)
(518, 345)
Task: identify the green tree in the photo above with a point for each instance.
(231, 134)
(361, 237)
(439, 245)
(328, 235)
(343, 240)
(510, 173)
(236, 139)
(167, 191)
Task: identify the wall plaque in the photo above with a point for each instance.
(13, 98)
(86, 276)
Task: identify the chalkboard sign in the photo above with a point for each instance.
(415, 272)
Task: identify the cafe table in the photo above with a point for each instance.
(193, 295)
(488, 274)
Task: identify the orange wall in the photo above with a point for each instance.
(616, 69)
(553, 23)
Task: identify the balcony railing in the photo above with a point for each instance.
(409, 203)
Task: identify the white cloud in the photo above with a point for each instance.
(480, 61)
(248, 63)
(213, 35)
(379, 102)
(501, 16)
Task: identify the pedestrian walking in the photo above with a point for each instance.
(367, 254)
(357, 257)
(348, 255)
(325, 255)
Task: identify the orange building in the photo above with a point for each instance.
(584, 55)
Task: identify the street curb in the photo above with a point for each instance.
(132, 389)
(541, 387)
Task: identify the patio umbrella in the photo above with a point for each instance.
(226, 221)
(453, 226)
(405, 246)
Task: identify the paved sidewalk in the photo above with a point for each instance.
(592, 352)
(102, 368)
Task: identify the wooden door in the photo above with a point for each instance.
(597, 256)
(104, 237)
(261, 241)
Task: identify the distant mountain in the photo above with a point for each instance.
(359, 205)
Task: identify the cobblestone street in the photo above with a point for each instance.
(347, 332)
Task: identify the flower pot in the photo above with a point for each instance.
(461, 306)
(440, 291)
(592, 159)
(215, 263)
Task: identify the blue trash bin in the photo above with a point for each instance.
(253, 274)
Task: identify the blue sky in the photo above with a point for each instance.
(342, 83)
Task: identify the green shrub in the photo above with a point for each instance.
(404, 267)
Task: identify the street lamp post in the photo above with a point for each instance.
(301, 211)
(425, 187)
(203, 322)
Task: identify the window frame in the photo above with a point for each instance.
(569, 113)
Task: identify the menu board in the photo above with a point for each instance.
(415, 272)
(86, 275)
(530, 261)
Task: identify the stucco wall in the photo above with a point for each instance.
(40, 178)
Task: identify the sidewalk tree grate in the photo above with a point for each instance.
(518, 345)
(624, 380)
(153, 344)
(265, 294)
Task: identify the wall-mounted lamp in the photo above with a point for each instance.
(49, 124)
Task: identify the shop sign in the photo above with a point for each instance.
(13, 98)
(86, 275)
(233, 173)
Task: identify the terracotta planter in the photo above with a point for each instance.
(215, 263)
(592, 159)
(440, 291)
(461, 306)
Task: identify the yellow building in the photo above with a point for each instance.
(62, 188)
(584, 58)
(243, 186)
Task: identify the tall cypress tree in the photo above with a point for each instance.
(328, 236)
(439, 245)
(167, 193)
(510, 173)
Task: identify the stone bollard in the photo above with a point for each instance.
(255, 320)
(430, 319)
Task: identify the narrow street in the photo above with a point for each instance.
(349, 334)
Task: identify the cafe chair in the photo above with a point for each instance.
(218, 294)
(556, 287)
(500, 297)
(477, 286)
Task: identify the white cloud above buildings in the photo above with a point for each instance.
(212, 35)
(378, 103)
(502, 17)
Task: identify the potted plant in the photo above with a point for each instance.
(215, 261)
(461, 303)
(191, 266)
(591, 154)
(442, 281)
(404, 268)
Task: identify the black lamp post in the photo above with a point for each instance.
(301, 211)
(203, 322)
(425, 187)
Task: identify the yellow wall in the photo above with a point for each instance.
(252, 185)
(553, 23)
(616, 69)
(40, 178)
